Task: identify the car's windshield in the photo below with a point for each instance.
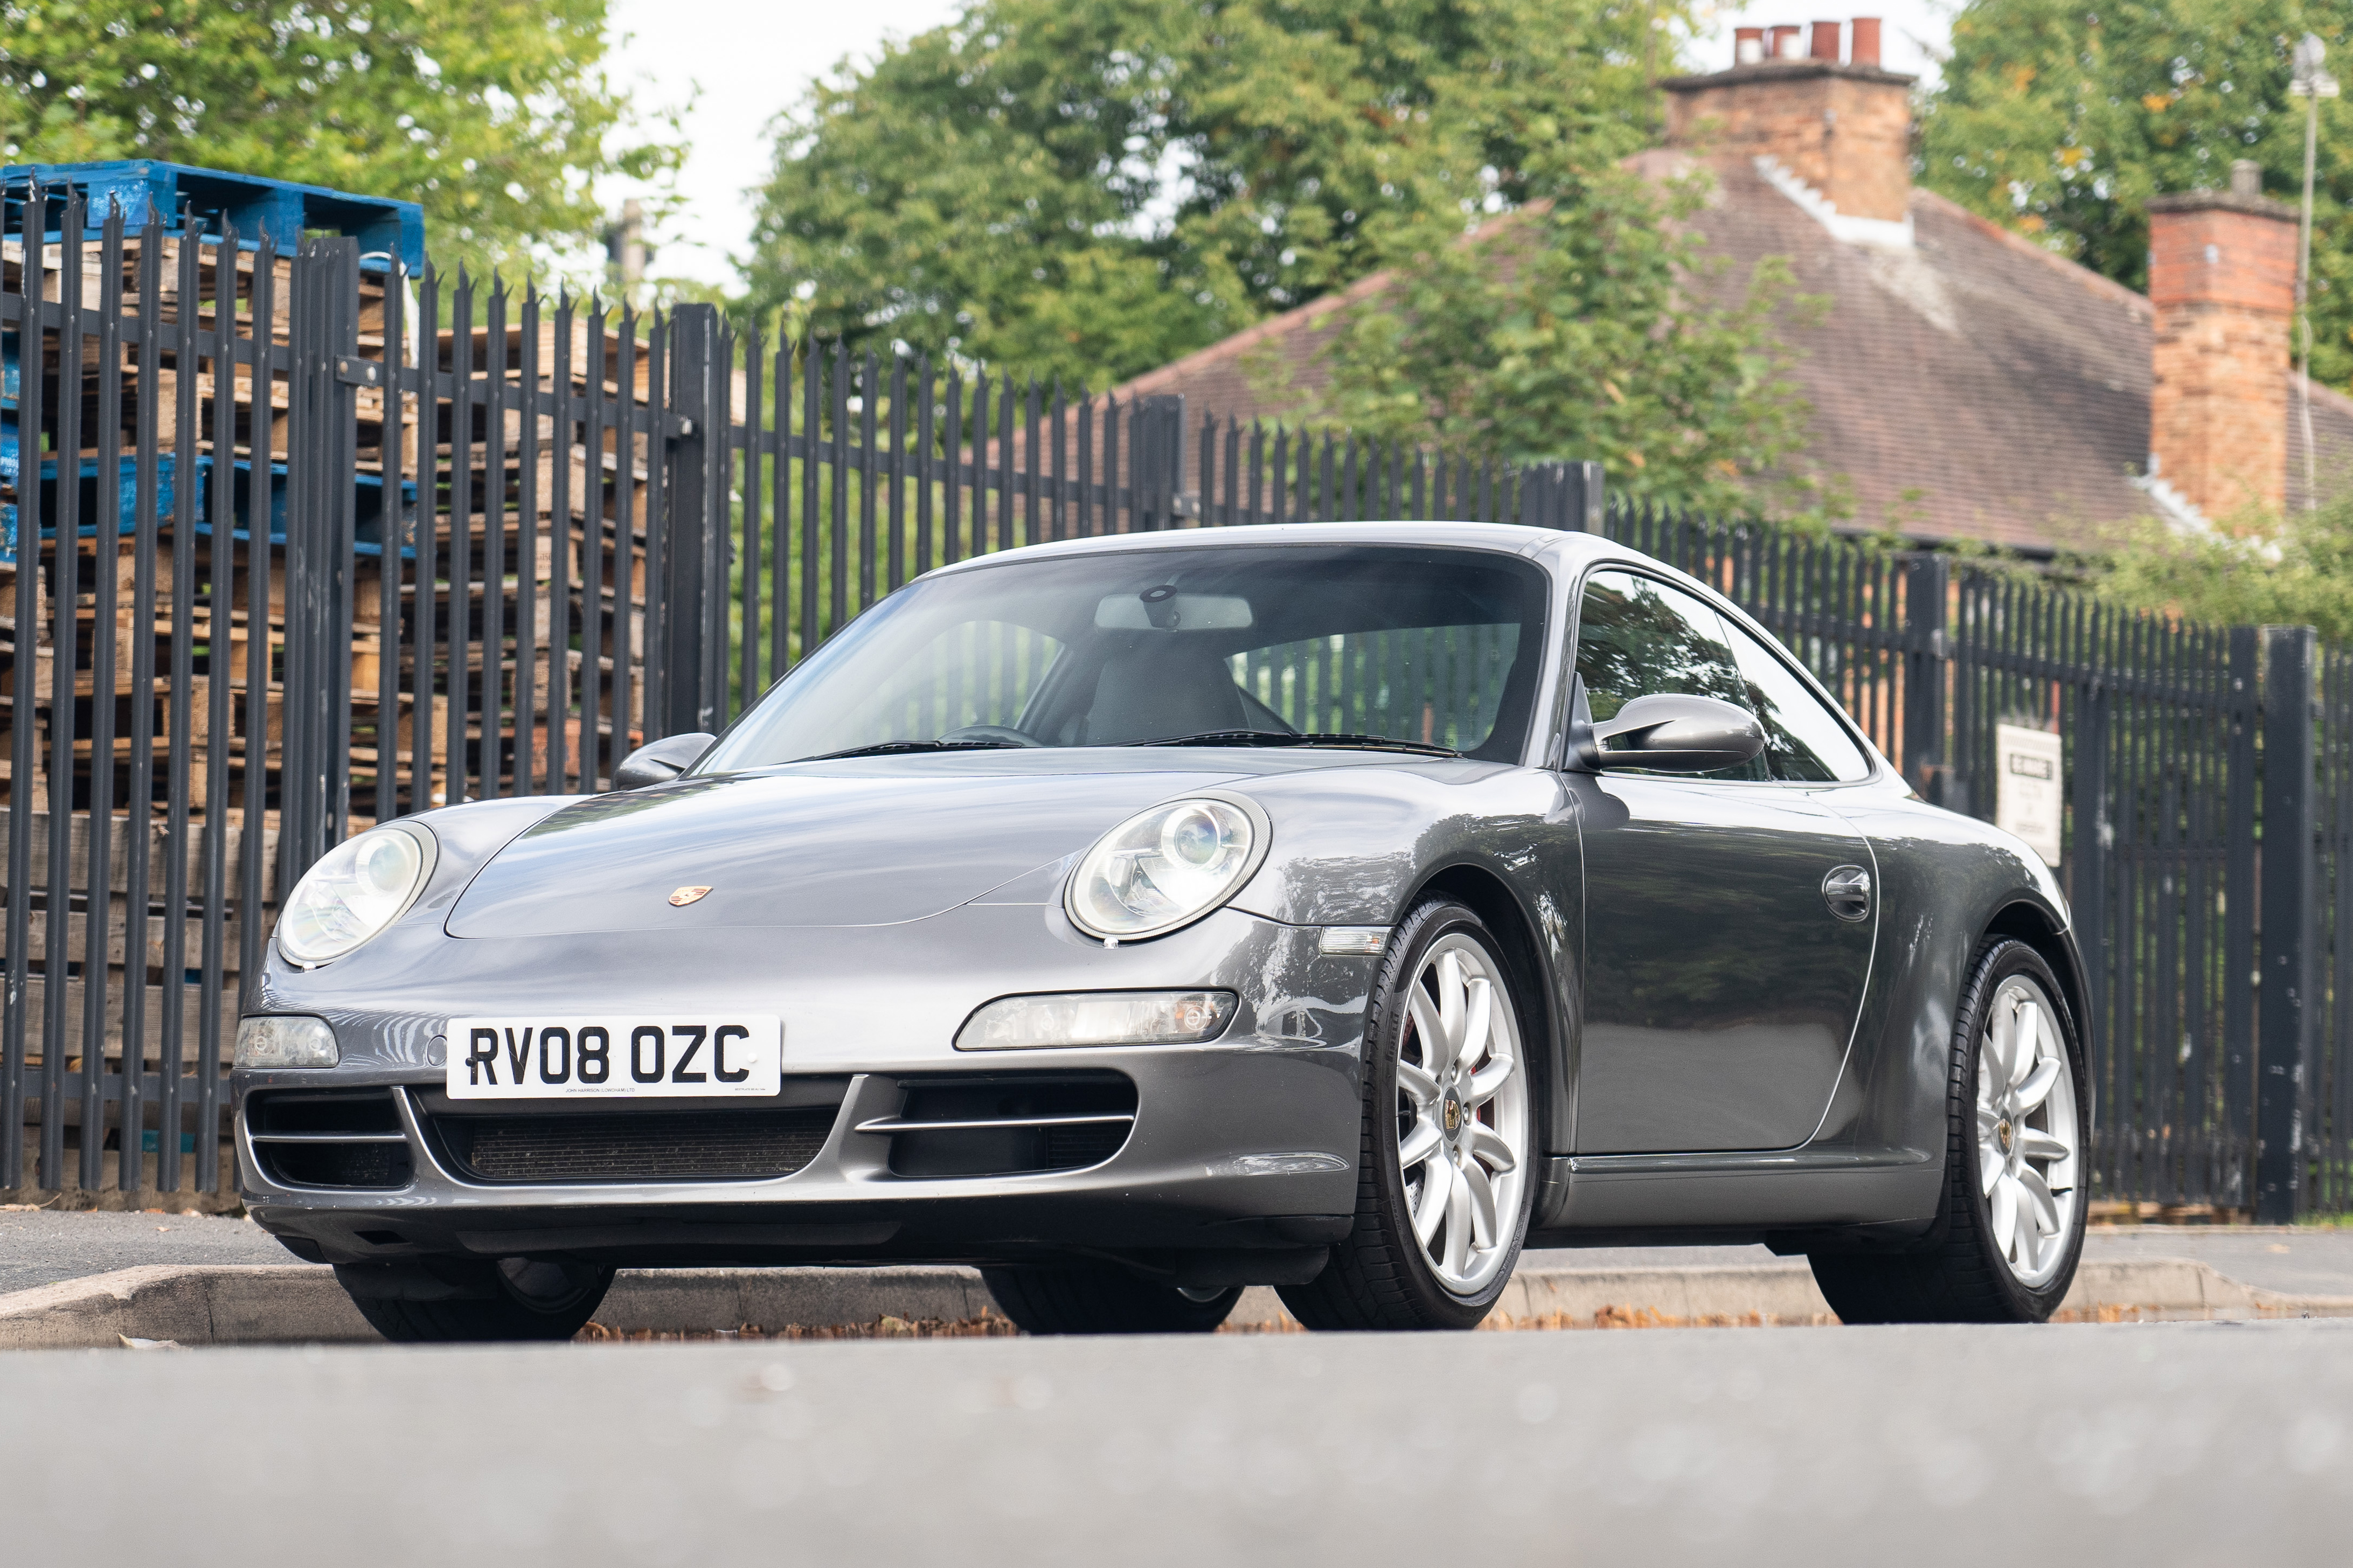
(1250, 645)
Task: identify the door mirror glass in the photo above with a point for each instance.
(658, 762)
(1678, 734)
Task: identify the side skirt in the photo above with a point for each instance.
(1744, 1193)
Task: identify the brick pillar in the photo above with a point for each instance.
(2221, 273)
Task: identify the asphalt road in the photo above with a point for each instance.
(2141, 1444)
(44, 1247)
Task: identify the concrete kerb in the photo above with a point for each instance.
(299, 1303)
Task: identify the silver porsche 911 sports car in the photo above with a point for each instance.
(1341, 908)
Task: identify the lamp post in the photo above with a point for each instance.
(2312, 84)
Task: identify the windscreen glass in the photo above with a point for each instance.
(1431, 646)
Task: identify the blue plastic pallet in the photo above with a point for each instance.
(386, 229)
(370, 487)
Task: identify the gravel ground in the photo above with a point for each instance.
(2303, 1261)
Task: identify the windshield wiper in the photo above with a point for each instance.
(893, 748)
(1285, 738)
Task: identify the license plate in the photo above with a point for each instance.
(633, 1058)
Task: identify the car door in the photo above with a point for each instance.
(1721, 984)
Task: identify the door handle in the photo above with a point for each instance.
(1847, 890)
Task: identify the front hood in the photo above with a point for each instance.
(802, 846)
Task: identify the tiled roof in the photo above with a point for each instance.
(1975, 387)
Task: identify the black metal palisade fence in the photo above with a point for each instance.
(294, 543)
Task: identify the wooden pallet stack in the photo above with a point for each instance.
(552, 543)
(253, 464)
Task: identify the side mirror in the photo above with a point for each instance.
(658, 762)
(1677, 734)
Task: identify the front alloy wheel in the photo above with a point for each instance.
(1462, 1113)
(1443, 1184)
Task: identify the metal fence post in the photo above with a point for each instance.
(2239, 979)
(1926, 581)
(1158, 461)
(1582, 505)
(2284, 1040)
(323, 410)
(686, 522)
(2088, 855)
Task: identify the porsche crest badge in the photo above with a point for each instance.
(685, 896)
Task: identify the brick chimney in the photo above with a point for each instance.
(1839, 130)
(2221, 273)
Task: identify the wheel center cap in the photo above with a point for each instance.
(1450, 1112)
(2002, 1134)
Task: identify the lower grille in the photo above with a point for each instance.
(1073, 1148)
(328, 1138)
(640, 1146)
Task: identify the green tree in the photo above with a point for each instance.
(2062, 118)
(1092, 187)
(2259, 568)
(495, 114)
(1572, 329)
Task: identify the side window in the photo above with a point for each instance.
(1804, 742)
(1638, 637)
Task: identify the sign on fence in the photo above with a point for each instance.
(2027, 791)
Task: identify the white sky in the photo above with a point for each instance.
(749, 59)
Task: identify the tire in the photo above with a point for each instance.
(1390, 1273)
(1967, 1271)
(522, 1300)
(1101, 1301)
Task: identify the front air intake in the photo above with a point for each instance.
(328, 1138)
(1008, 1124)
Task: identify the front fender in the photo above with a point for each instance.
(1359, 847)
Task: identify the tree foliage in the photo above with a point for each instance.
(495, 114)
(1582, 326)
(2260, 568)
(2061, 119)
(1093, 187)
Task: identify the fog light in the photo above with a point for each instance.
(1098, 1018)
(285, 1043)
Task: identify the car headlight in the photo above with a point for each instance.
(1165, 868)
(360, 886)
(285, 1042)
(1098, 1018)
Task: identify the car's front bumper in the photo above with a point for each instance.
(1247, 1143)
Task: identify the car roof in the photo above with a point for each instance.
(1567, 549)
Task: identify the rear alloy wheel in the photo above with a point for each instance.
(2028, 1151)
(1443, 1184)
(2011, 1226)
(515, 1299)
(1104, 1302)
